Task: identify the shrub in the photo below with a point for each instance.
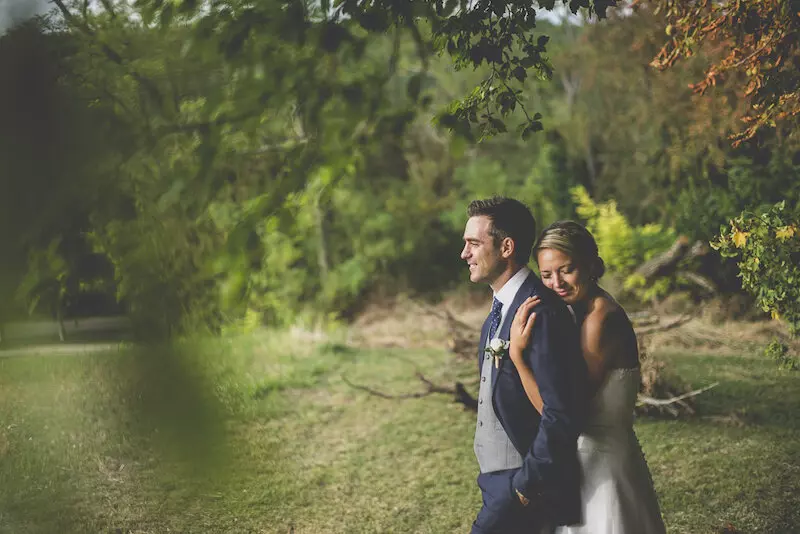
(779, 352)
(624, 247)
(767, 244)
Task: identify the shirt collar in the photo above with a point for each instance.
(509, 290)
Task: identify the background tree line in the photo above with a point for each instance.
(205, 164)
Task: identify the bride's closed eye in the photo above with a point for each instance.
(567, 269)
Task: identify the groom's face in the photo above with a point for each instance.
(481, 253)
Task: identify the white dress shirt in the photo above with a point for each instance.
(509, 291)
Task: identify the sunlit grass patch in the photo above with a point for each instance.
(282, 440)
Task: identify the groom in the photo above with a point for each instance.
(529, 474)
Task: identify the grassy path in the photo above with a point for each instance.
(262, 434)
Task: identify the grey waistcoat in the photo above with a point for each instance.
(493, 449)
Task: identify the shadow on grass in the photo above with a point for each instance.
(44, 513)
(751, 391)
(744, 441)
(166, 396)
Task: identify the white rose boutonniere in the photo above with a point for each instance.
(498, 348)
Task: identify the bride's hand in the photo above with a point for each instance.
(521, 327)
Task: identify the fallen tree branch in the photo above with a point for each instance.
(680, 321)
(665, 262)
(383, 395)
(458, 391)
(643, 318)
(699, 280)
(433, 388)
(643, 399)
(461, 395)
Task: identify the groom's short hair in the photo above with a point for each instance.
(510, 218)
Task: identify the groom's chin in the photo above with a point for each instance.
(474, 275)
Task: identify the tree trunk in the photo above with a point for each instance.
(62, 334)
(666, 262)
(571, 83)
(590, 163)
(322, 244)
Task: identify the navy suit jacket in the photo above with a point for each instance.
(550, 474)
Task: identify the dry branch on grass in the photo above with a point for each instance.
(668, 404)
(458, 391)
(653, 328)
(659, 395)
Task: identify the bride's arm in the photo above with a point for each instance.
(520, 338)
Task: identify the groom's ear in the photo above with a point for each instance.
(507, 247)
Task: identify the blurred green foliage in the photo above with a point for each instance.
(282, 162)
(624, 247)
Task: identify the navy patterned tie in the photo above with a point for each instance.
(494, 318)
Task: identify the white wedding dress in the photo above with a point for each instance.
(617, 491)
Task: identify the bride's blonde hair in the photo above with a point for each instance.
(575, 241)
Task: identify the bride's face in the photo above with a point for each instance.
(563, 275)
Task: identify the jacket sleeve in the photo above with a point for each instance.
(560, 370)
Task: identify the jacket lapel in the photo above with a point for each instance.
(525, 291)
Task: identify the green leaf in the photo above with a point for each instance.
(477, 54)
(494, 54)
(542, 41)
(374, 20)
(446, 120)
(531, 128)
(531, 60)
(498, 7)
(497, 124)
(575, 5)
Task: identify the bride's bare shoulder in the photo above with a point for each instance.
(604, 317)
(601, 306)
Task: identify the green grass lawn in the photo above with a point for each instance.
(262, 434)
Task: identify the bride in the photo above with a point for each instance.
(617, 492)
